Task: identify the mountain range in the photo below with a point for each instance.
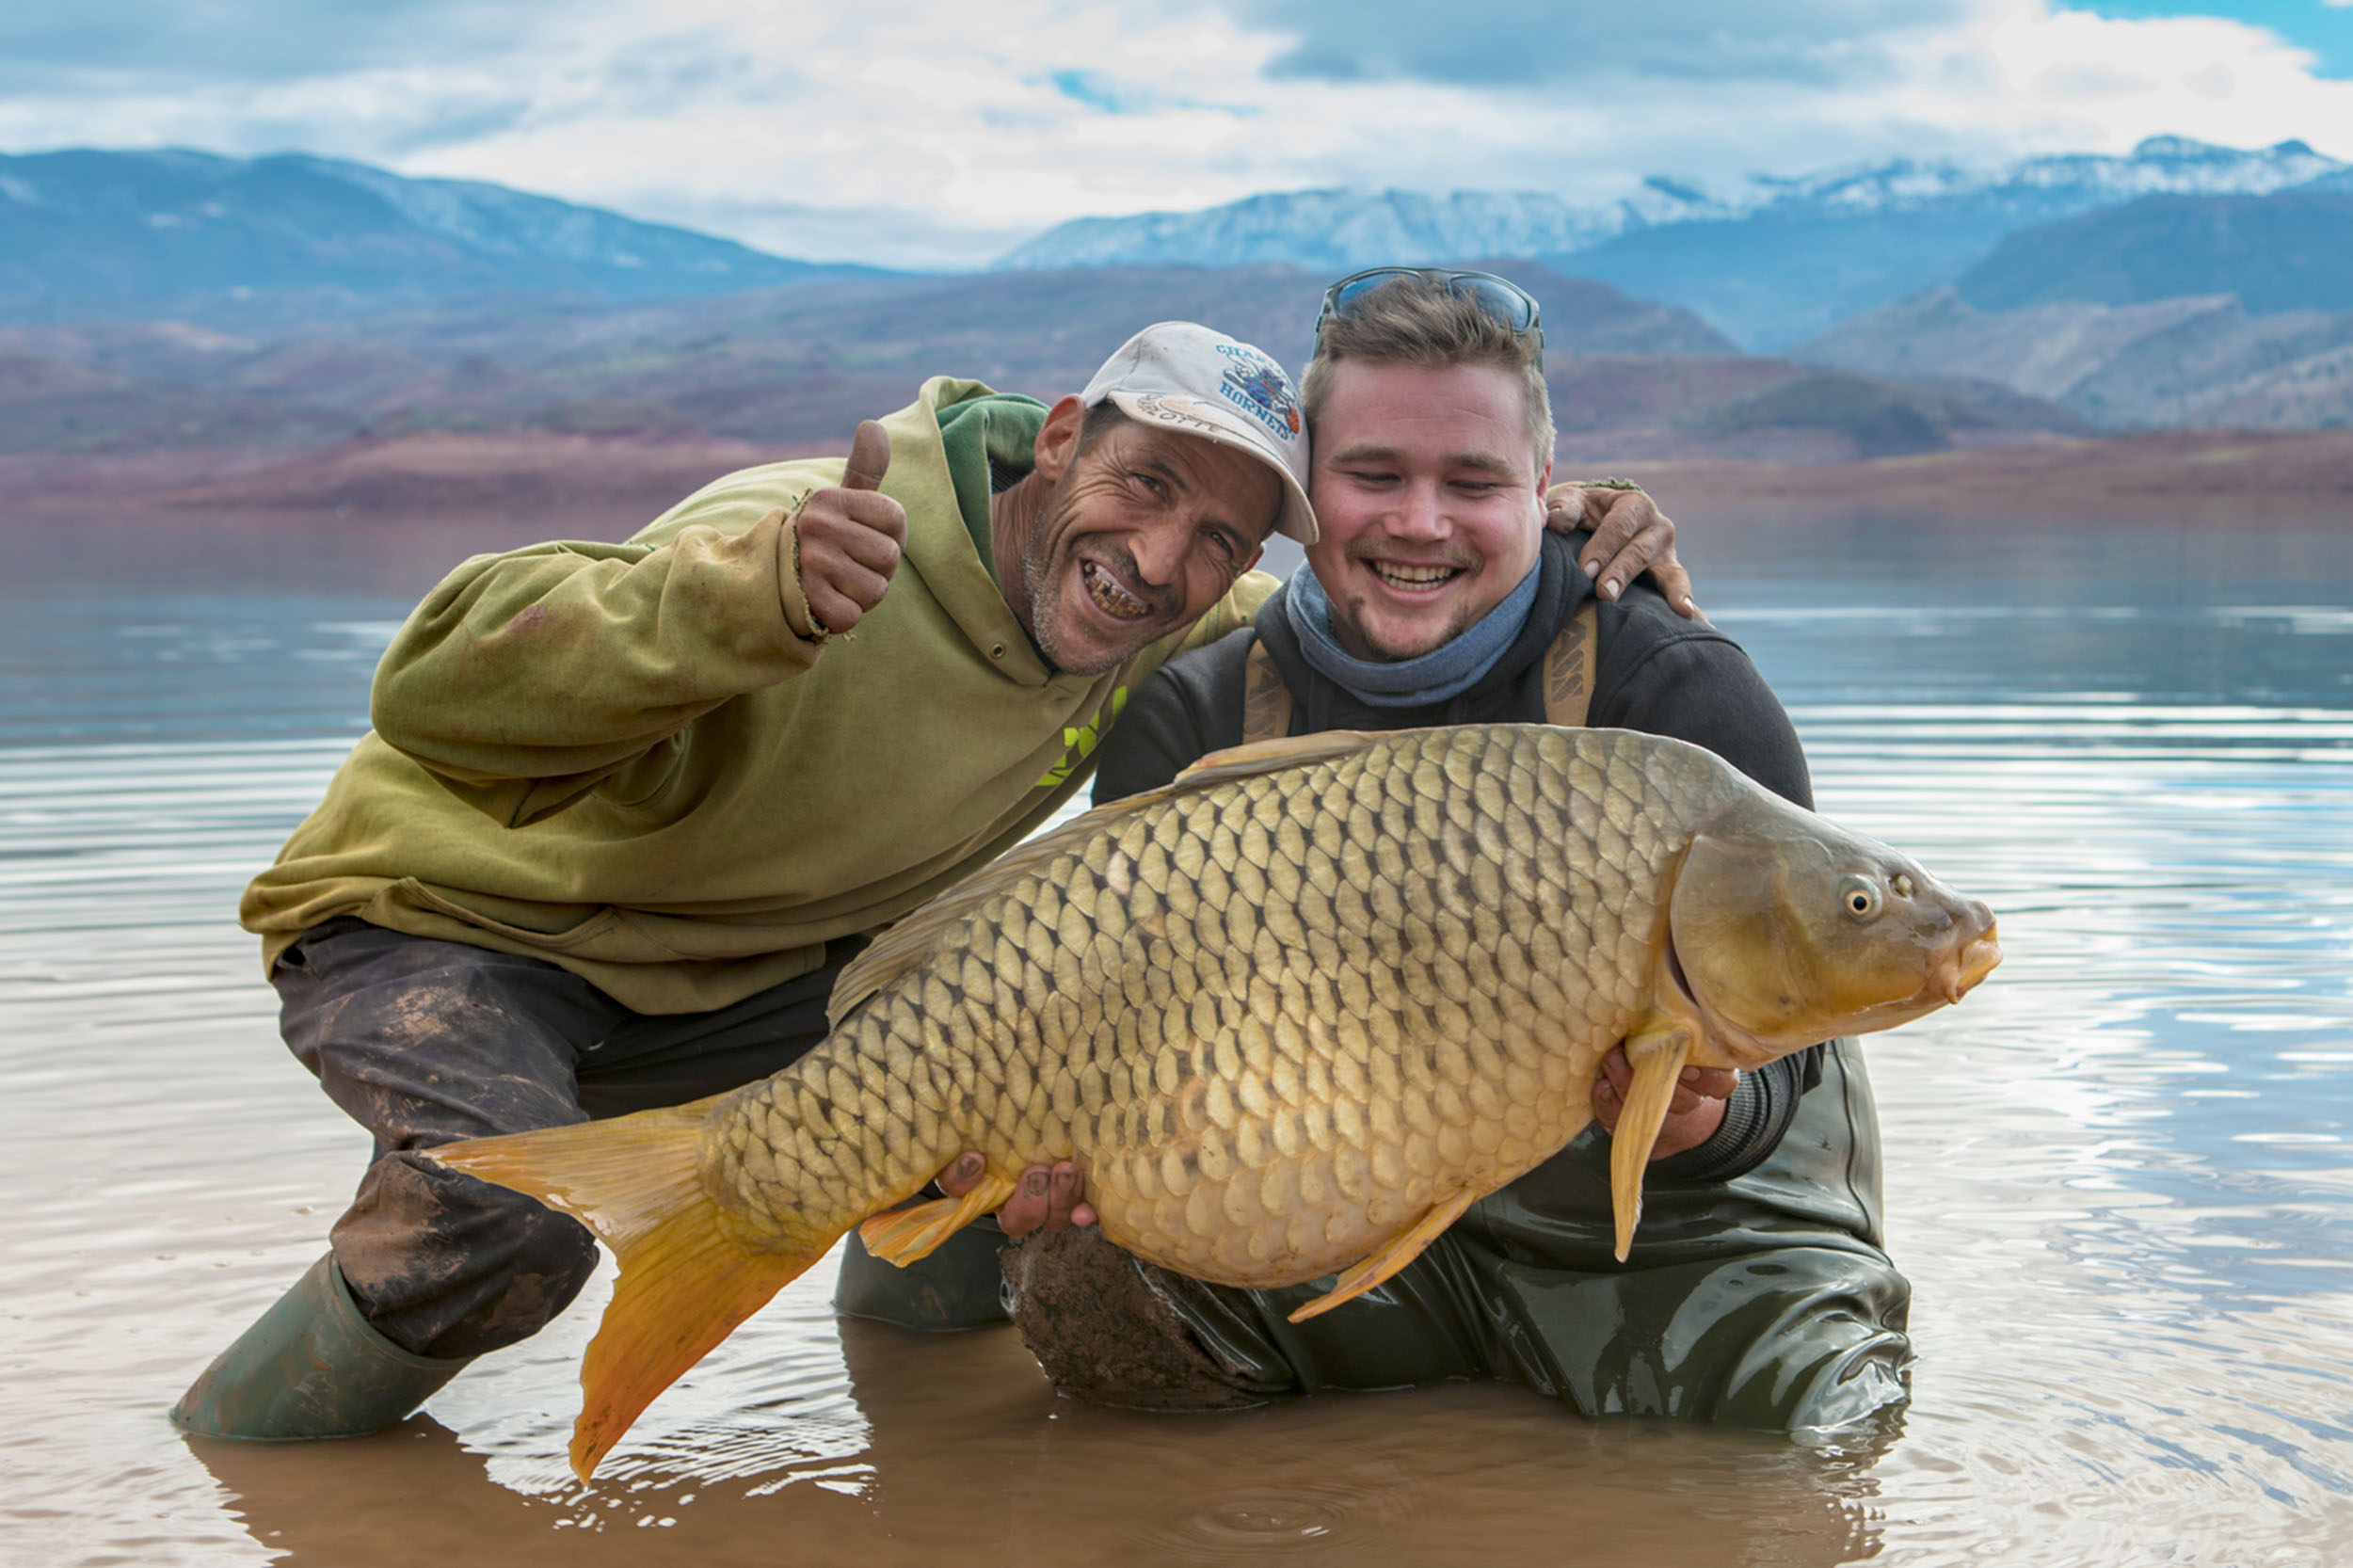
(785, 365)
(239, 242)
(2194, 360)
(1768, 264)
(176, 301)
(2290, 250)
(792, 368)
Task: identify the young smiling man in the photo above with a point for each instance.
(1757, 1293)
(627, 808)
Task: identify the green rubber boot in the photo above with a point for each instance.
(309, 1366)
(958, 1286)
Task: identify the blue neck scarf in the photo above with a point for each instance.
(1448, 670)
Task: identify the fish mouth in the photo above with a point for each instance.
(1961, 972)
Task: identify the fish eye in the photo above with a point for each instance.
(1860, 896)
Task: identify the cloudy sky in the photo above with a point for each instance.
(939, 132)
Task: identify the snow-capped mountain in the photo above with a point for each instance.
(2053, 184)
(1366, 228)
(1769, 261)
(1327, 229)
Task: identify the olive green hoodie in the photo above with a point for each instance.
(623, 758)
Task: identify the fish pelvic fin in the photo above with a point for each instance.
(1355, 1281)
(904, 1236)
(686, 1280)
(1658, 1057)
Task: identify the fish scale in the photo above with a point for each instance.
(1044, 991)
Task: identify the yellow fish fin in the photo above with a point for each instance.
(904, 1236)
(1389, 1259)
(917, 938)
(1658, 1056)
(1288, 751)
(686, 1281)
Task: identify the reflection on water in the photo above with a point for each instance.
(2118, 1174)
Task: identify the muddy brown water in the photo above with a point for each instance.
(2118, 1174)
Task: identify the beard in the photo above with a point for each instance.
(1355, 615)
(1064, 651)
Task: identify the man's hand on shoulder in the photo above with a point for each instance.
(1693, 1116)
(847, 541)
(1632, 536)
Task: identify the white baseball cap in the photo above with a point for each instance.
(1188, 377)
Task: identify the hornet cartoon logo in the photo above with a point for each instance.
(1259, 388)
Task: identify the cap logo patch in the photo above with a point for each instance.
(1257, 386)
(1177, 409)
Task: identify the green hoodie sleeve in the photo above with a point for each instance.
(527, 680)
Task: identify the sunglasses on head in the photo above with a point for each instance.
(1496, 298)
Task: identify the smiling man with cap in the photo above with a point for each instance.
(627, 808)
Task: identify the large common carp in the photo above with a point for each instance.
(1292, 1014)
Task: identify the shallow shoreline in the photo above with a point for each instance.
(445, 472)
(2196, 472)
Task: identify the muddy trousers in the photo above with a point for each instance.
(424, 1042)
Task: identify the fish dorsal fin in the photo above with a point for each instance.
(913, 940)
(1289, 751)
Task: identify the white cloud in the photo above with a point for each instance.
(939, 132)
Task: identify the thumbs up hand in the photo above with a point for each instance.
(847, 541)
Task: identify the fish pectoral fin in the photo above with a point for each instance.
(1389, 1259)
(1657, 1058)
(904, 1236)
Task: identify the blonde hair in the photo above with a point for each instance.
(1420, 321)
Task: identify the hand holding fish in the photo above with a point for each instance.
(1693, 1116)
(846, 541)
(1045, 1197)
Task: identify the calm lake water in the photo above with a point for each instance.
(2118, 1174)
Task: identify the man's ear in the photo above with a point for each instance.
(1544, 489)
(1058, 439)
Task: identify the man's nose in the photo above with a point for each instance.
(1419, 514)
(1159, 549)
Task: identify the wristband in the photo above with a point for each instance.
(819, 631)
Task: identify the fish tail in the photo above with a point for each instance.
(687, 1278)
